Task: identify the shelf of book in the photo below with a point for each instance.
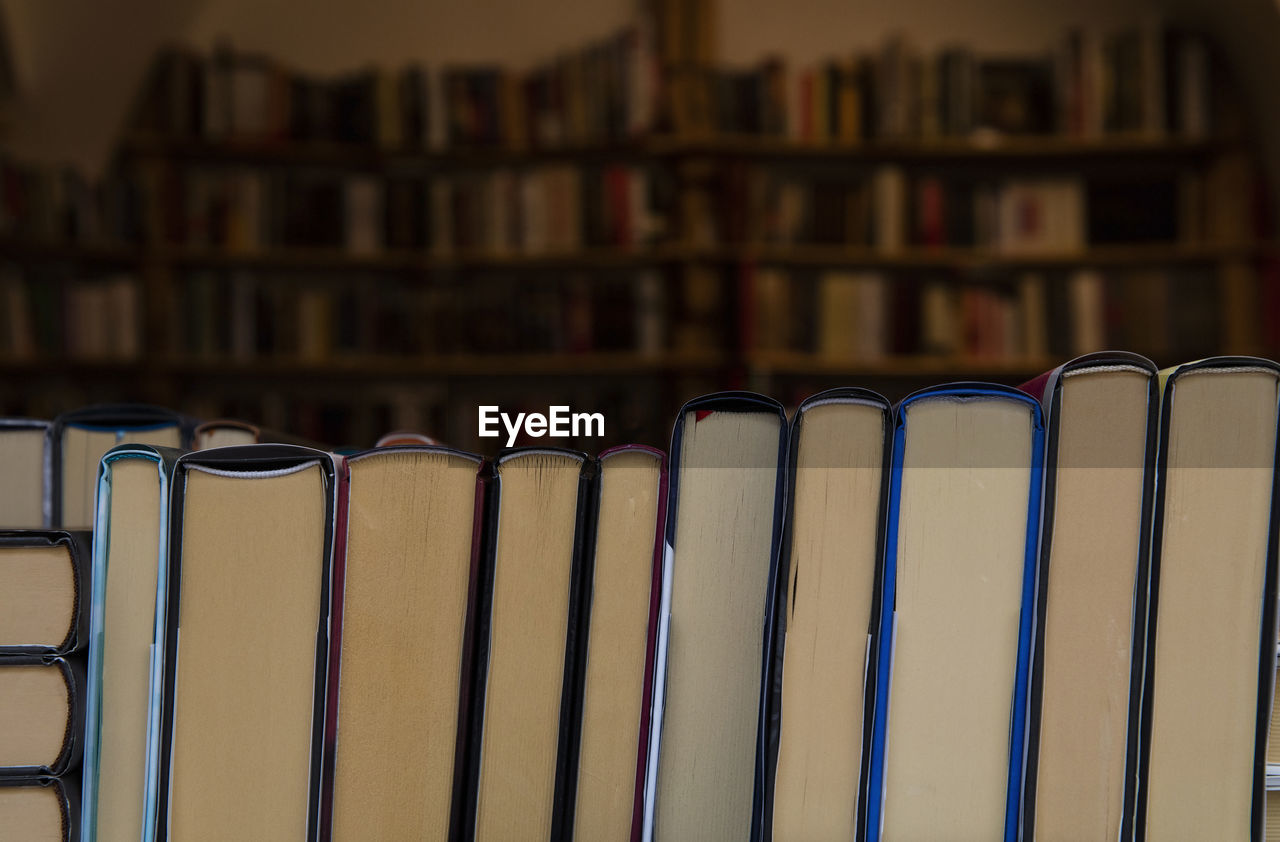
(445, 223)
(994, 147)
(925, 257)
(410, 260)
(405, 260)
(622, 363)
(802, 364)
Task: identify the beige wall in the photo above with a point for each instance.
(80, 61)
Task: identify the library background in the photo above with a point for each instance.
(343, 223)
(365, 222)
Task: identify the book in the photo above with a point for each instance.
(42, 715)
(228, 432)
(39, 808)
(821, 701)
(955, 636)
(127, 650)
(1210, 648)
(24, 451)
(80, 439)
(621, 618)
(44, 592)
(244, 683)
(400, 666)
(1102, 413)
(224, 433)
(724, 524)
(523, 752)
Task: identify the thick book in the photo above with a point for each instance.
(1101, 413)
(822, 694)
(1211, 641)
(620, 617)
(25, 454)
(400, 668)
(228, 432)
(44, 592)
(724, 524)
(39, 808)
(126, 652)
(81, 438)
(524, 732)
(958, 604)
(41, 715)
(246, 643)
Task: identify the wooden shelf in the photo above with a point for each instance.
(922, 257)
(288, 153)
(50, 250)
(916, 257)
(412, 260)
(364, 157)
(798, 363)
(71, 367)
(944, 149)
(455, 365)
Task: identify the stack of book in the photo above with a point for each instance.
(987, 612)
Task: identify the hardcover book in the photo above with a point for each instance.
(44, 599)
(126, 652)
(39, 809)
(955, 636)
(1081, 775)
(525, 731)
(41, 715)
(821, 699)
(81, 438)
(725, 503)
(400, 667)
(621, 620)
(246, 643)
(24, 452)
(1211, 645)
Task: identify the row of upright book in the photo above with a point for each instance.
(982, 613)
(601, 93)
(868, 316)
(1150, 79)
(552, 208)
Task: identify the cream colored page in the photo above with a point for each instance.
(1212, 563)
(34, 705)
(407, 569)
(724, 528)
(30, 814)
(37, 595)
(1088, 647)
(252, 561)
(613, 691)
(128, 625)
(227, 436)
(527, 646)
(82, 450)
(1273, 734)
(22, 492)
(833, 559)
(961, 552)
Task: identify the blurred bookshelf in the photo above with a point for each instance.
(634, 223)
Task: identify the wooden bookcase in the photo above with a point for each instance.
(351, 395)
